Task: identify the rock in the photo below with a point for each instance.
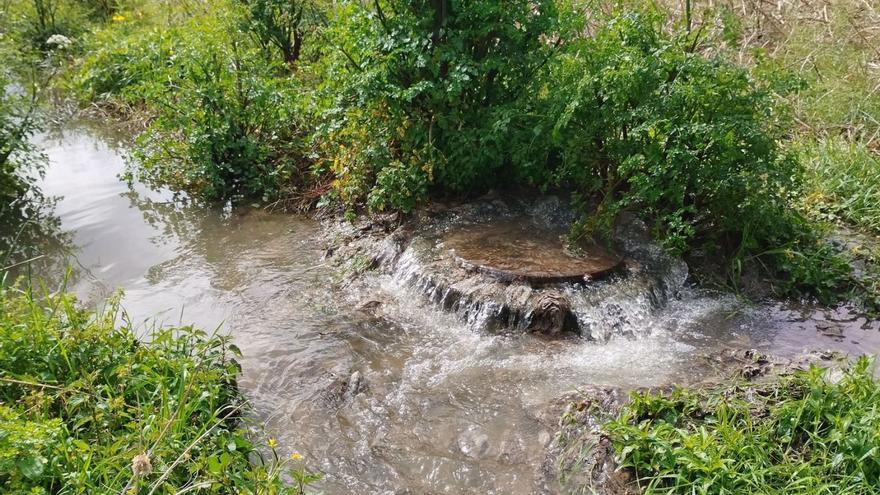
(503, 266)
(473, 442)
(369, 306)
(580, 459)
(343, 390)
(551, 314)
(355, 385)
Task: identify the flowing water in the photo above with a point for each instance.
(403, 399)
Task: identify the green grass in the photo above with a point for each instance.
(845, 180)
(807, 434)
(87, 407)
(832, 47)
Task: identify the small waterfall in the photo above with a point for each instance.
(619, 306)
(420, 260)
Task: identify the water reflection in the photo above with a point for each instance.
(28, 229)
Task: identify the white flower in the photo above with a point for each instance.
(59, 41)
(141, 465)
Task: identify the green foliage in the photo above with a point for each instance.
(226, 123)
(809, 434)
(278, 25)
(637, 118)
(421, 94)
(85, 407)
(844, 180)
(402, 100)
(120, 59)
(226, 129)
(33, 23)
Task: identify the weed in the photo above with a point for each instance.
(811, 433)
(86, 407)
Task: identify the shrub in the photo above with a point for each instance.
(33, 23)
(638, 119)
(122, 58)
(226, 129)
(421, 94)
(808, 434)
(87, 408)
(279, 25)
(226, 123)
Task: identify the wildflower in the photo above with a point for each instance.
(59, 41)
(272, 443)
(141, 465)
(117, 18)
(296, 456)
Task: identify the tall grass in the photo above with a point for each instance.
(812, 433)
(845, 180)
(832, 47)
(86, 407)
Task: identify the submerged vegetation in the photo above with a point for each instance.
(811, 433)
(719, 125)
(87, 407)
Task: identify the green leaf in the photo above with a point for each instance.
(32, 467)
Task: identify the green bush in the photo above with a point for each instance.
(637, 119)
(420, 94)
(809, 434)
(120, 59)
(279, 26)
(628, 117)
(226, 129)
(224, 122)
(33, 23)
(85, 407)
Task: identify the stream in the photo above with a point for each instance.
(439, 408)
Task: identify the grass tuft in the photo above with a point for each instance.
(811, 433)
(87, 407)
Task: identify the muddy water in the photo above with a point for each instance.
(439, 408)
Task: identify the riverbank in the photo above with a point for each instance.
(722, 186)
(87, 407)
(803, 426)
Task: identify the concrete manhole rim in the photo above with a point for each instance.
(527, 253)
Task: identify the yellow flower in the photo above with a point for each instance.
(296, 456)
(117, 18)
(272, 443)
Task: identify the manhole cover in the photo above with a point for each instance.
(517, 249)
